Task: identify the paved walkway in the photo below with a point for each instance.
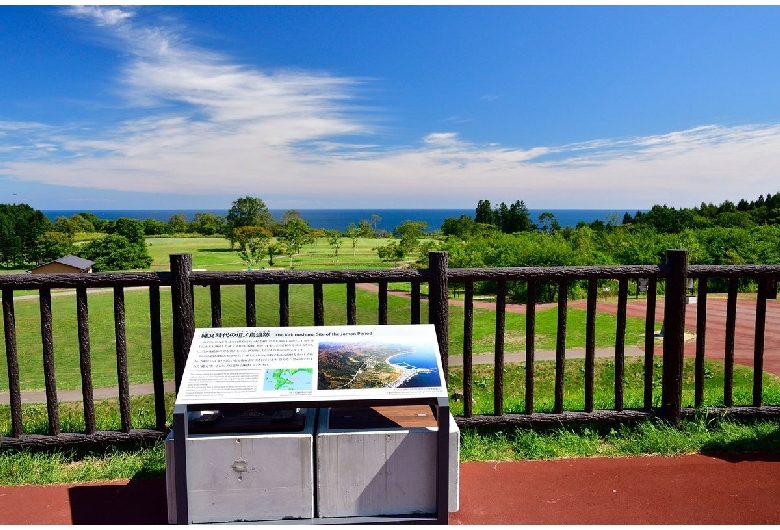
(695, 489)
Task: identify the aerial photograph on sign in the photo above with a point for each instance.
(376, 364)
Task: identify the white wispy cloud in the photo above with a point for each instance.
(208, 125)
(102, 16)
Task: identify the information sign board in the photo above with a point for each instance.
(285, 364)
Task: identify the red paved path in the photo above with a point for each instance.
(715, 343)
(735, 489)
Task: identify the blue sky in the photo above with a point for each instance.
(388, 107)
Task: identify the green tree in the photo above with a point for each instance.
(53, 245)
(353, 233)
(243, 234)
(64, 225)
(334, 238)
(155, 227)
(462, 227)
(390, 252)
(548, 223)
(131, 229)
(73, 224)
(98, 225)
(374, 221)
(484, 213)
(116, 253)
(253, 243)
(366, 230)
(666, 220)
(247, 211)
(178, 223)
(295, 233)
(275, 249)
(409, 233)
(207, 224)
(290, 214)
(20, 228)
(517, 219)
(734, 219)
(10, 243)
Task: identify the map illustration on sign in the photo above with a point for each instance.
(358, 364)
(288, 379)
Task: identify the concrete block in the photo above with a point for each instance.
(384, 471)
(247, 477)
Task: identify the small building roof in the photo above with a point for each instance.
(71, 261)
(75, 261)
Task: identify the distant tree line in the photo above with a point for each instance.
(28, 237)
(20, 228)
(713, 235)
(764, 211)
(663, 219)
(504, 235)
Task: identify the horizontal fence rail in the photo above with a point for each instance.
(670, 280)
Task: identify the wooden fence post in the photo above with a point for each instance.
(438, 307)
(183, 311)
(12, 362)
(674, 334)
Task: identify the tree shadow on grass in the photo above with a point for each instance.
(215, 250)
(764, 448)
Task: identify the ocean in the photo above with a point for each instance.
(419, 359)
(340, 219)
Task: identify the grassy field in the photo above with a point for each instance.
(71, 413)
(107, 462)
(702, 434)
(213, 253)
(103, 344)
(604, 394)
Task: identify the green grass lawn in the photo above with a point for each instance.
(104, 462)
(604, 394)
(103, 344)
(213, 253)
(701, 434)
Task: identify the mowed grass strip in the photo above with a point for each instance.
(604, 385)
(71, 413)
(705, 434)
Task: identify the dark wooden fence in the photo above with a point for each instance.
(182, 280)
